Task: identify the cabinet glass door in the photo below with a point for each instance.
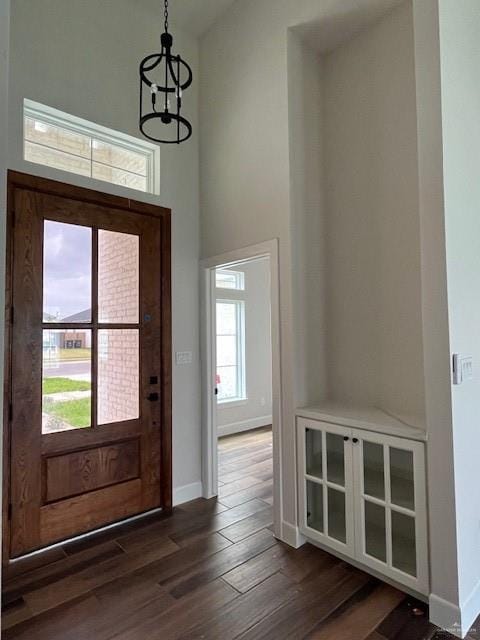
(326, 501)
(391, 514)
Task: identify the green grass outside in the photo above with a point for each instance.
(76, 413)
(59, 385)
(75, 354)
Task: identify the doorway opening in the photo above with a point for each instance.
(242, 411)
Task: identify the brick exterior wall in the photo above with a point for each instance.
(118, 276)
(118, 349)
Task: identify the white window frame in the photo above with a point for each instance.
(74, 124)
(239, 279)
(241, 396)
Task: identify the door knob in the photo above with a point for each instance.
(355, 440)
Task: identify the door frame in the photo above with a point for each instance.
(16, 180)
(268, 249)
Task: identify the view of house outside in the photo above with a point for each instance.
(67, 353)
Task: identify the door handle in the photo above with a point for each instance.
(153, 397)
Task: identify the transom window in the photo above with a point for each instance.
(228, 279)
(56, 139)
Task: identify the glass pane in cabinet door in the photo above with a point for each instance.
(313, 451)
(66, 379)
(335, 459)
(404, 554)
(337, 527)
(375, 531)
(315, 506)
(373, 470)
(401, 478)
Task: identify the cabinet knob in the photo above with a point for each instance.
(346, 438)
(355, 440)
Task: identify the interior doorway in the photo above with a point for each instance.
(242, 410)
(88, 362)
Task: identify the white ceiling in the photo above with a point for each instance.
(194, 16)
(344, 21)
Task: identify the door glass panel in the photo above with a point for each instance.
(373, 470)
(118, 375)
(403, 543)
(335, 459)
(315, 506)
(337, 527)
(401, 478)
(375, 531)
(118, 277)
(67, 273)
(66, 379)
(313, 450)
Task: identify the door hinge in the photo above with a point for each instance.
(12, 314)
(9, 510)
(10, 412)
(216, 391)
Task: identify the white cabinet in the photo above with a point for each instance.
(362, 493)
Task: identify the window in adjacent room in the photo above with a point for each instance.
(230, 320)
(56, 139)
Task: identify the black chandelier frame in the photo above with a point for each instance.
(169, 68)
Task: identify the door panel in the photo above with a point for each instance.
(90, 362)
(326, 490)
(391, 508)
(78, 472)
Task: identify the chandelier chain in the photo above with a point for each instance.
(165, 13)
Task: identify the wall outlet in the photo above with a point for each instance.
(462, 368)
(183, 357)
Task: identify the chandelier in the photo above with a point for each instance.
(163, 78)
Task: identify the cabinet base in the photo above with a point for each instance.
(292, 536)
(377, 574)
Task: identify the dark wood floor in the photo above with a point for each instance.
(212, 570)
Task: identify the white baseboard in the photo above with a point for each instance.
(187, 492)
(291, 535)
(452, 618)
(243, 425)
(471, 609)
(445, 615)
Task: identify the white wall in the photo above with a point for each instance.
(436, 342)
(373, 301)
(4, 69)
(244, 154)
(307, 210)
(460, 78)
(82, 58)
(256, 410)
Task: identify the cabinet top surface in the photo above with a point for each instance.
(368, 418)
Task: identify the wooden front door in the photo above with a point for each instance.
(89, 366)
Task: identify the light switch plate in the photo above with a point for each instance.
(183, 357)
(462, 368)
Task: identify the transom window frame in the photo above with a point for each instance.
(239, 279)
(239, 302)
(54, 117)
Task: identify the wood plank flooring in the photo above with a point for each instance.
(213, 570)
